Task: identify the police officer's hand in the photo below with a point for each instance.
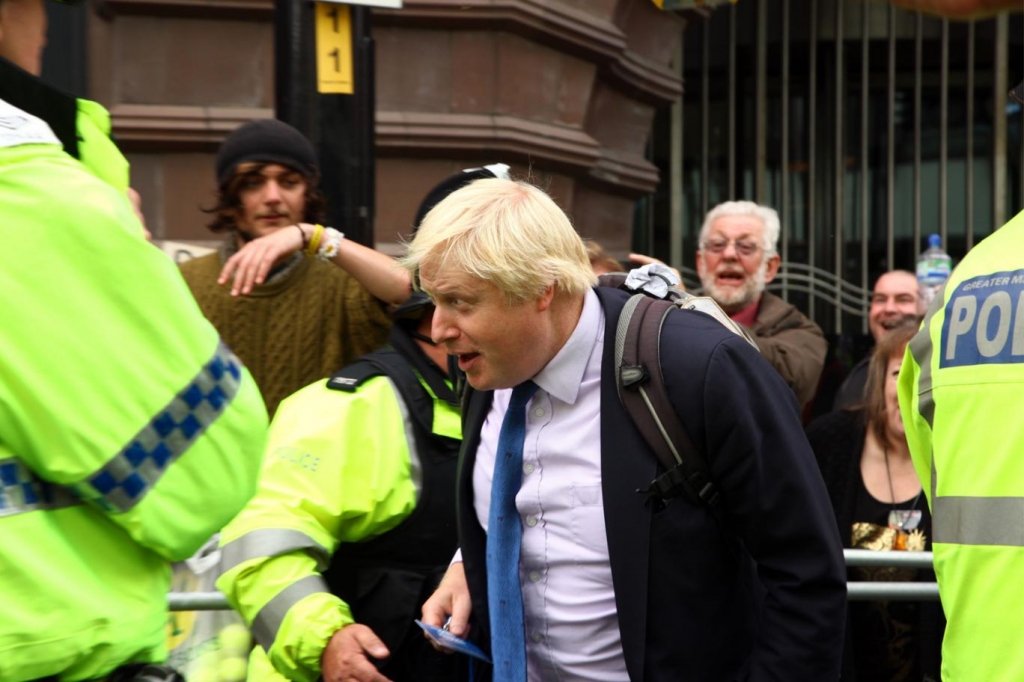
(252, 263)
(450, 600)
(347, 656)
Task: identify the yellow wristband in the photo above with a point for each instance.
(314, 241)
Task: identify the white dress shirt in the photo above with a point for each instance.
(572, 627)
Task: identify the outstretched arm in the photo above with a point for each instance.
(376, 271)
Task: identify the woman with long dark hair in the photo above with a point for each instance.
(879, 505)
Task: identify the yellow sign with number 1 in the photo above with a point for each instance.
(333, 48)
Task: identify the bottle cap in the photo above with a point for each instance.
(934, 241)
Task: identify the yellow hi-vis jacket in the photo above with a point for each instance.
(339, 469)
(961, 393)
(128, 433)
(95, 148)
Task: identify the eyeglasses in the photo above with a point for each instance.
(744, 247)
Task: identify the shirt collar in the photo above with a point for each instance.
(748, 316)
(562, 376)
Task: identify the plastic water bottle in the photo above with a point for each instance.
(933, 268)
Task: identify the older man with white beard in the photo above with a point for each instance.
(736, 260)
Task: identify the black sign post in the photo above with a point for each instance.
(323, 85)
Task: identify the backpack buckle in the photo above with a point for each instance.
(633, 376)
(674, 482)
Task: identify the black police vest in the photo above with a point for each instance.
(385, 580)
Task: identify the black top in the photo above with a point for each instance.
(898, 640)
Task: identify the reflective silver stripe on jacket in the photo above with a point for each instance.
(269, 542)
(123, 481)
(22, 491)
(268, 621)
(978, 521)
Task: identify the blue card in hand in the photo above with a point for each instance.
(447, 640)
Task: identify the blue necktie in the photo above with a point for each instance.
(504, 537)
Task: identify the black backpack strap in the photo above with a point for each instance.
(390, 363)
(405, 364)
(351, 377)
(641, 387)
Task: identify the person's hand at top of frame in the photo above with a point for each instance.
(347, 656)
(252, 263)
(450, 604)
(960, 10)
(641, 260)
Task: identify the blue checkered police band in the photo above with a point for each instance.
(125, 479)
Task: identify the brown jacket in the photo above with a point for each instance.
(792, 344)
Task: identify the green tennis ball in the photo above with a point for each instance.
(206, 669)
(235, 639)
(233, 669)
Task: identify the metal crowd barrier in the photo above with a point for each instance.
(894, 591)
(856, 591)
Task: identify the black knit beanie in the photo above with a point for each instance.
(266, 141)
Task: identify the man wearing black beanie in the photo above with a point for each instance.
(293, 298)
(389, 424)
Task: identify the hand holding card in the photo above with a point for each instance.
(447, 640)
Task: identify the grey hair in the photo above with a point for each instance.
(768, 217)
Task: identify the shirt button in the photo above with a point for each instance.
(536, 637)
(539, 412)
(528, 468)
(531, 521)
(534, 576)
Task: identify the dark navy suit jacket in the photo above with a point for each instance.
(756, 592)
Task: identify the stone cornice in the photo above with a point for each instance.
(624, 173)
(534, 142)
(576, 32)
(573, 31)
(405, 132)
(643, 79)
(142, 127)
(153, 127)
(243, 10)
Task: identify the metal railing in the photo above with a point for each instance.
(891, 591)
(856, 591)
(866, 125)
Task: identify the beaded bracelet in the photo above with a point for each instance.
(314, 242)
(329, 246)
